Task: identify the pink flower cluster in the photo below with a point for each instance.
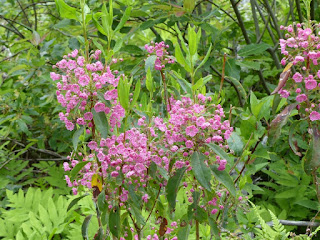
(160, 49)
(190, 126)
(302, 48)
(78, 88)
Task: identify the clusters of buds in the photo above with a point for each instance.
(301, 48)
(160, 49)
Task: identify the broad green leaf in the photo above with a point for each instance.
(249, 64)
(189, 6)
(99, 236)
(235, 143)
(312, 157)
(118, 45)
(137, 213)
(201, 170)
(85, 226)
(114, 222)
(123, 93)
(133, 49)
(253, 49)
(149, 63)
(309, 204)
(224, 178)
(124, 19)
(173, 187)
(183, 233)
(76, 169)
(231, 69)
(219, 151)
(75, 138)
(185, 85)
(240, 89)
(291, 193)
(136, 93)
(101, 123)
(65, 10)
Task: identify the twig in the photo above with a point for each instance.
(255, 19)
(12, 30)
(46, 159)
(24, 13)
(7, 58)
(293, 223)
(221, 9)
(274, 18)
(35, 16)
(240, 21)
(154, 204)
(299, 10)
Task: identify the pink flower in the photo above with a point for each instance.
(314, 116)
(92, 145)
(191, 131)
(88, 116)
(189, 144)
(145, 198)
(99, 107)
(214, 211)
(310, 84)
(301, 98)
(297, 77)
(69, 125)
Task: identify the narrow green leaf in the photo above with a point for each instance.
(114, 221)
(99, 46)
(101, 122)
(235, 143)
(173, 187)
(124, 19)
(249, 64)
(181, 59)
(205, 58)
(99, 236)
(85, 226)
(200, 170)
(75, 201)
(75, 138)
(149, 81)
(118, 45)
(224, 178)
(198, 84)
(312, 157)
(76, 169)
(231, 69)
(149, 63)
(192, 40)
(291, 133)
(218, 150)
(138, 215)
(136, 93)
(185, 85)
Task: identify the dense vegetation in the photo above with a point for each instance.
(159, 119)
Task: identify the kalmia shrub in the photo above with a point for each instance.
(301, 48)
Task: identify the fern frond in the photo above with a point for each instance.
(277, 226)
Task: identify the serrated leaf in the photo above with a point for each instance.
(224, 178)
(200, 170)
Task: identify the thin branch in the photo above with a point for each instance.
(221, 9)
(13, 21)
(299, 10)
(8, 58)
(151, 28)
(255, 19)
(24, 13)
(240, 21)
(293, 223)
(35, 16)
(12, 30)
(273, 17)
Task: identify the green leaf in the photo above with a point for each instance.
(118, 45)
(65, 10)
(224, 178)
(173, 187)
(149, 63)
(312, 157)
(291, 133)
(235, 143)
(200, 170)
(218, 150)
(277, 123)
(198, 84)
(124, 19)
(253, 49)
(183, 233)
(149, 81)
(185, 85)
(232, 70)
(180, 58)
(101, 123)
(205, 58)
(99, 46)
(75, 138)
(75, 201)
(137, 213)
(291, 193)
(240, 89)
(99, 236)
(309, 204)
(123, 93)
(76, 169)
(133, 49)
(249, 64)
(136, 93)
(147, 24)
(192, 40)
(114, 221)
(85, 226)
